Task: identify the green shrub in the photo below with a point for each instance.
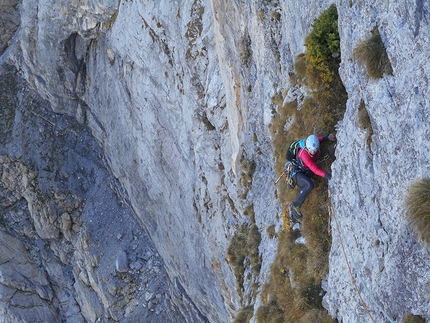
(322, 44)
(324, 40)
(418, 205)
(372, 54)
(318, 69)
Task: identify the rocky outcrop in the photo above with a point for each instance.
(10, 20)
(177, 96)
(71, 248)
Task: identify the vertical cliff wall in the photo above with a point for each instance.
(373, 171)
(71, 249)
(175, 105)
(177, 96)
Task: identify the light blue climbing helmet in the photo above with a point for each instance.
(312, 144)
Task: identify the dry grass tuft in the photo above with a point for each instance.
(243, 252)
(410, 318)
(316, 315)
(372, 54)
(418, 207)
(364, 122)
(245, 314)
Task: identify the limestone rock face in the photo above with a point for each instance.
(24, 284)
(10, 20)
(63, 226)
(373, 172)
(177, 96)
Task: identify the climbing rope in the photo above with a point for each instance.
(331, 216)
(283, 174)
(349, 268)
(331, 152)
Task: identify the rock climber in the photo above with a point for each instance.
(308, 152)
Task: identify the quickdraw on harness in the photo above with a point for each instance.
(290, 169)
(292, 165)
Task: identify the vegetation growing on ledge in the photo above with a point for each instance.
(372, 54)
(410, 318)
(194, 29)
(247, 172)
(245, 50)
(108, 24)
(418, 205)
(294, 293)
(322, 45)
(243, 250)
(364, 122)
(245, 314)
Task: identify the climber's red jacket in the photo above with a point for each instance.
(308, 163)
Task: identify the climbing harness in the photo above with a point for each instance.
(290, 169)
(292, 166)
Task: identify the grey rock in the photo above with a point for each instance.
(24, 285)
(137, 265)
(57, 257)
(10, 18)
(154, 107)
(121, 263)
(148, 296)
(370, 182)
(147, 255)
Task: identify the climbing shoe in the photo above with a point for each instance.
(295, 213)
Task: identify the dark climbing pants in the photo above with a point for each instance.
(305, 186)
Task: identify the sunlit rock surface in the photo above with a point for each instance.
(129, 154)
